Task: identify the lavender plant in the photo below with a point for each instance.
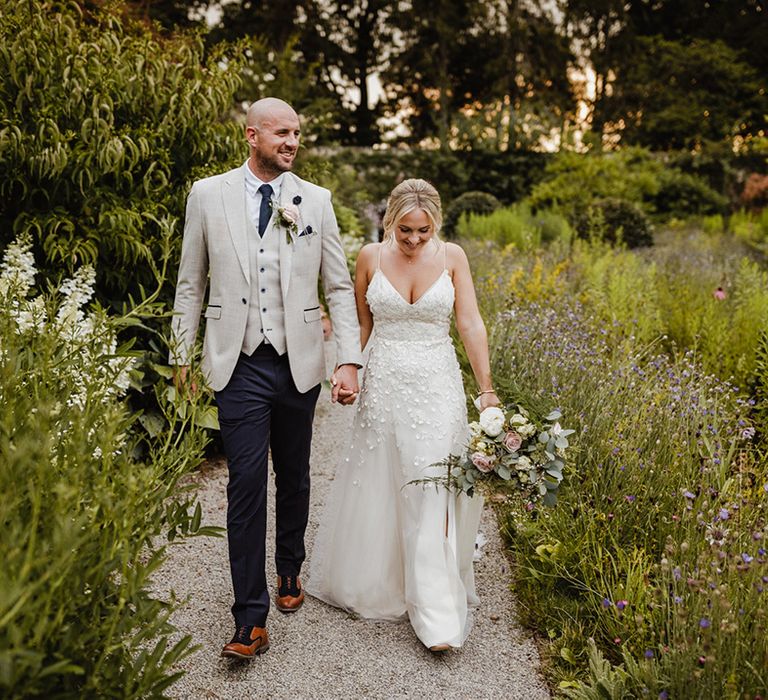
(656, 550)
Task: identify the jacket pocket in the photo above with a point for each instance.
(312, 314)
(213, 311)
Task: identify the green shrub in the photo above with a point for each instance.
(516, 226)
(103, 126)
(613, 220)
(508, 175)
(751, 228)
(81, 514)
(572, 181)
(681, 195)
(467, 203)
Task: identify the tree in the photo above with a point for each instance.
(339, 44)
(103, 126)
(685, 94)
(489, 74)
(170, 14)
(646, 54)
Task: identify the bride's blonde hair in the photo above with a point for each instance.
(408, 196)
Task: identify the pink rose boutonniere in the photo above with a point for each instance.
(288, 217)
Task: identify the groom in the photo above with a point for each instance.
(259, 237)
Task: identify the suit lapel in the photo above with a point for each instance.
(288, 191)
(233, 195)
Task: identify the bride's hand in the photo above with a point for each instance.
(488, 400)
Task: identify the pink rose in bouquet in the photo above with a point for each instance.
(512, 441)
(483, 462)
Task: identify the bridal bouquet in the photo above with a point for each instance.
(512, 447)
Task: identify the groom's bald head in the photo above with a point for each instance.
(267, 110)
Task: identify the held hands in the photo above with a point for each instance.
(344, 386)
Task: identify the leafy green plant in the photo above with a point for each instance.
(82, 515)
(467, 203)
(103, 125)
(761, 386)
(572, 181)
(515, 226)
(615, 220)
(681, 195)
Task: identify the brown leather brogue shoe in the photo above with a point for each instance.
(290, 594)
(248, 642)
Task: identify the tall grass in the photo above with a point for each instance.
(656, 549)
(666, 292)
(649, 576)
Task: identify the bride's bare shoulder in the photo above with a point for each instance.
(366, 258)
(454, 254)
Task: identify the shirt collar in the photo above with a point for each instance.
(252, 183)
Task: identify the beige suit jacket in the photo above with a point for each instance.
(214, 255)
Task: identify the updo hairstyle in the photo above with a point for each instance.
(408, 196)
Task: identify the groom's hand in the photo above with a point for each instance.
(180, 373)
(344, 386)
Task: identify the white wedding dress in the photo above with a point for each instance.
(386, 547)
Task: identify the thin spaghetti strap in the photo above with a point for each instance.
(378, 257)
(445, 255)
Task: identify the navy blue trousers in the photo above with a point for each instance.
(261, 408)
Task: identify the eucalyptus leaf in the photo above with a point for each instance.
(549, 499)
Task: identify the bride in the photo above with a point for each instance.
(387, 547)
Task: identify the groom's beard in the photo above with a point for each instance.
(274, 165)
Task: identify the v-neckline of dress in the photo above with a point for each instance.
(397, 291)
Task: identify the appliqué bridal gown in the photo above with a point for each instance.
(386, 547)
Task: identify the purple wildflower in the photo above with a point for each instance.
(704, 623)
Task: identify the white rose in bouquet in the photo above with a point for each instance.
(492, 421)
(524, 463)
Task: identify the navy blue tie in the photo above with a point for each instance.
(265, 208)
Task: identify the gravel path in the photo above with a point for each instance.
(322, 652)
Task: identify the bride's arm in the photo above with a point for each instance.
(470, 324)
(364, 269)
